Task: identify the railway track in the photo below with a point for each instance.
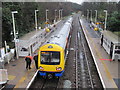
(40, 82)
(44, 83)
(86, 72)
(80, 69)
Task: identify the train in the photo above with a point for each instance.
(52, 54)
(111, 43)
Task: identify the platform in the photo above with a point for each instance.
(18, 76)
(108, 70)
(17, 73)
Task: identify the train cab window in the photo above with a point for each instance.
(50, 57)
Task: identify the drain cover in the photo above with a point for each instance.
(13, 65)
(67, 84)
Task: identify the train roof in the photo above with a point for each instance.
(111, 36)
(61, 37)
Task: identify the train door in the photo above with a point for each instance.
(111, 49)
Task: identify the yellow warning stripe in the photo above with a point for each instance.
(97, 52)
(23, 78)
(11, 77)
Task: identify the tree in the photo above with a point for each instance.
(25, 19)
(114, 21)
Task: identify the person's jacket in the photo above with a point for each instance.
(28, 58)
(35, 57)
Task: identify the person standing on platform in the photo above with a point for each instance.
(36, 60)
(28, 60)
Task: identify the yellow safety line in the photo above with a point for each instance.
(23, 78)
(106, 69)
(11, 77)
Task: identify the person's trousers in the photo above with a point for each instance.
(36, 64)
(28, 65)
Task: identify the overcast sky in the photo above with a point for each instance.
(76, 1)
(80, 1)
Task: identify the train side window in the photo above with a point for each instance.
(117, 47)
(117, 51)
(24, 49)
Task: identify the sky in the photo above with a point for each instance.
(75, 1)
(80, 1)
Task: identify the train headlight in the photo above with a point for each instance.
(41, 68)
(58, 68)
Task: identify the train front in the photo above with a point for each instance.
(51, 60)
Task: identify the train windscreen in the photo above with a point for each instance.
(50, 57)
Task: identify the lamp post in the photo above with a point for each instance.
(91, 15)
(36, 19)
(87, 14)
(95, 16)
(13, 12)
(105, 19)
(6, 47)
(55, 15)
(46, 15)
(59, 14)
